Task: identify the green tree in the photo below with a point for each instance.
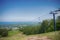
(44, 26)
(50, 26)
(58, 23)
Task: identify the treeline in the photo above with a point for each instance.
(45, 26)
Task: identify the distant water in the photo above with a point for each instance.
(17, 23)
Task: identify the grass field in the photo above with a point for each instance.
(16, 35)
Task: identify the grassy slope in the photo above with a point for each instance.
(19, 36)
(11, 33)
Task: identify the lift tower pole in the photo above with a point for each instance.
(54, 12)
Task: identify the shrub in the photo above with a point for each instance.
(30, 30)
(3, 32)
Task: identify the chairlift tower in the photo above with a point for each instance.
(39, 19)
(54, 13)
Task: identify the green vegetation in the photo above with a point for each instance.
(13, 32)
(43, 29)
(20, 36)
(56, 36)
(58, 23)
(3, 32)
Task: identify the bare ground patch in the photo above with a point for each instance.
(39, 38)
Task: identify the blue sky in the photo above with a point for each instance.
(27, 10)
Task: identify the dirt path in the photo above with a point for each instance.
(39, 38)
(22, 37)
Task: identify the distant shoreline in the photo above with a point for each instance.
(2, 23)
